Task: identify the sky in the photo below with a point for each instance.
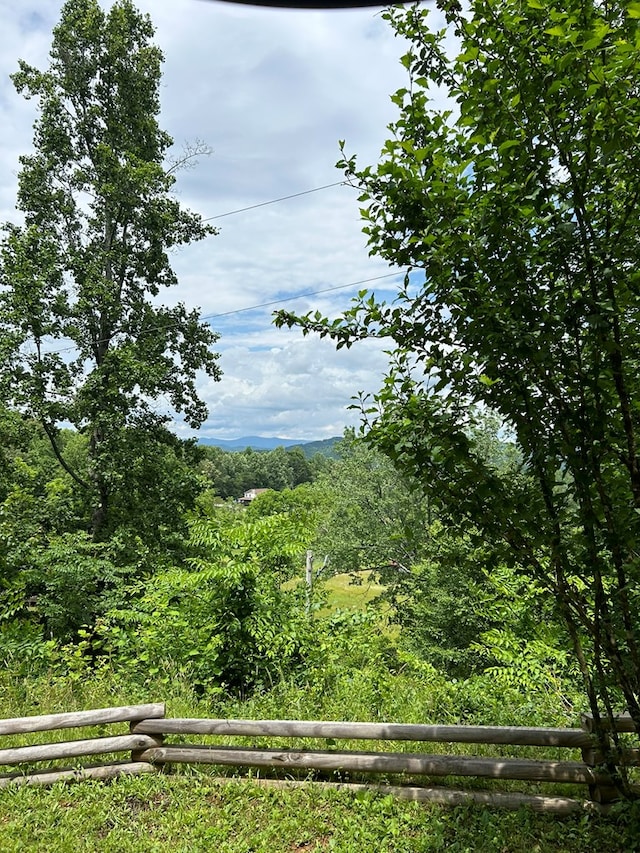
(271, 92)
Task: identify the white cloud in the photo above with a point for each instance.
(297, 389)
(272, 92)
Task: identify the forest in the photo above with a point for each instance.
(474, 546)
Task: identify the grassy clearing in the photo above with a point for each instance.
(190, 813)
(350, 591)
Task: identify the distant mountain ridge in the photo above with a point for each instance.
(324, 446)
(257, 442)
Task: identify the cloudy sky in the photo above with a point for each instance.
(271, 92)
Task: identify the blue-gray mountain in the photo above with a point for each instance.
(256, 442)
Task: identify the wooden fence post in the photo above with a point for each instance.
(598, 792)
(308, 582)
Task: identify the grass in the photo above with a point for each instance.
(347, 591)
(350, 591)
(190, 813)
(360, 676)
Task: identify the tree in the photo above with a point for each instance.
(83, 339)
(516, 208)
(226, 622)
(375, 519)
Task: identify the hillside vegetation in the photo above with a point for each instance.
(407, 621)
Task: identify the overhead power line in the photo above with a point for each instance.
(274, 301)
(280, 301)
(276, 200)
(299, 296)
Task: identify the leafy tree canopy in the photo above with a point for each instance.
(232, 473)
(373, 518)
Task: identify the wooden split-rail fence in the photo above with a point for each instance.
(150, 751)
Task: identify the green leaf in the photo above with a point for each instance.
(510, 143)
(486, 380)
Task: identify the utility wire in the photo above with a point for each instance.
(299, 296)
(276, 200)
(274, 301)
(252, 307)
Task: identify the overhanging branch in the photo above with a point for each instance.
(56, 450)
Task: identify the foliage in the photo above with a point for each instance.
(58, 591)
(462, 595)
(67, 584)
(54, 579)
(24, 652)
(373, 518)
(155, 482)
(224, 621)
(519, 203)
(527, 649)
(443, 603)
(299, 511)
(84, 340)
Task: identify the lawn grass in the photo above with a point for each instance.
(189, 810)
(190, 813)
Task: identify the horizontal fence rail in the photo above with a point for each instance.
(621, 723)
(102, 772)
(533, 770)
(75, 748)
(150, 752)
(103, 745)
(449, 796)
(510, 735)
(99, 717)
